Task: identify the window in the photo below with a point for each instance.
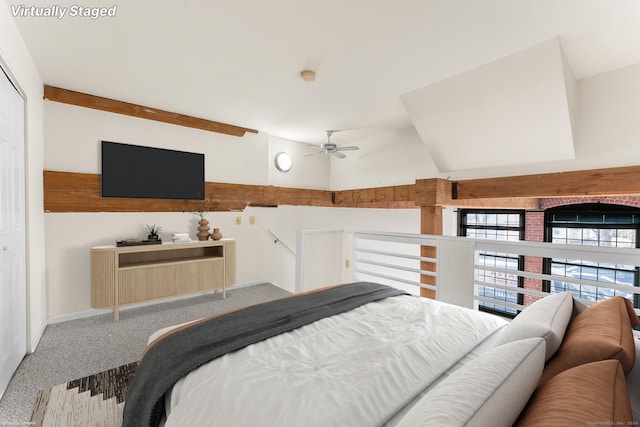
(592, 225)
(496, 225)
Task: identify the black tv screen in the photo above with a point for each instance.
(148, 172)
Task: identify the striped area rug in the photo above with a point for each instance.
(96, 400)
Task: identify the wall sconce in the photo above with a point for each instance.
(283, 162)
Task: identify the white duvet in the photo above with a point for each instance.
(354, 369)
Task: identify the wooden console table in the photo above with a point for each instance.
(130, 274)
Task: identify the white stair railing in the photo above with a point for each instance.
(394, 259)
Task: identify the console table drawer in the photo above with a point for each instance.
(141, 284)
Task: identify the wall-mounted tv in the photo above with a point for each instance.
(148, 172)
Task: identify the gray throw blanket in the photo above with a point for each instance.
(183, 351)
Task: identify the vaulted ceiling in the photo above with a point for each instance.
(240, 62)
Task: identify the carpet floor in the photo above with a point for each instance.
(79, 348)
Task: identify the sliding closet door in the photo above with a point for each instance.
(13, 329)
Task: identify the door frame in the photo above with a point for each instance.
(8, 71)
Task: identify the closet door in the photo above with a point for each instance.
(13, 300)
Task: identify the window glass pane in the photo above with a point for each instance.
(594, 228)
(495, 226)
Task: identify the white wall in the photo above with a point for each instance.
(249, 160)
(306, 171)
(509, 111)
(285, 221)
(608, 112)
(606, 128)
(77, 130)
(16, 61)
(391, 158)
(70, 235)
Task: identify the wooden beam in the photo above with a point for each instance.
(78, 192)
(433, 192)
(113, 106)
(595, 182)
(525, 203)
(73, 192)
(394, 197)
(440, 192)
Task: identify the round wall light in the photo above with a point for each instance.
(283, 162)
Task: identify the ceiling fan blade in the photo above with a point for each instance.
(313, 145)
(314, 153)
(338, 154)
(347, 148)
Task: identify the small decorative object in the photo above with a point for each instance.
(203, 229)
(181, 238)
(153, 231)
(201, 208)
(216, 235)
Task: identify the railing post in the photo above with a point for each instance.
(430, 196)
(430, 223)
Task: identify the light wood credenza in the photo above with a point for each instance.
(131, 274)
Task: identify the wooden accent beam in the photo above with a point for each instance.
(440, 192)
(395, 197)
(525, 203)
(113, 106)
(595, 182)
(74, 192)
(433, 192)
(78, 192)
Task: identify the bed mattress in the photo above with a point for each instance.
(362, 367)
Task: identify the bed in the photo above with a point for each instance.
(365, 354)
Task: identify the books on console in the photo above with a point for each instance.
(181, 238)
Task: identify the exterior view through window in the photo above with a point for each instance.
(496, 225)
(592, 225)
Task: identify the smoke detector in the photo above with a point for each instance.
(308, 75)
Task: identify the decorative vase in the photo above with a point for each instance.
(203, 230)
(216, 235)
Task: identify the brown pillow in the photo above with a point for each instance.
(590, 394)
(601, 332)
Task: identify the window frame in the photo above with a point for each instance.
(601, 209)
(463, 226)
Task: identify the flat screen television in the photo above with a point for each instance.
(148, 172)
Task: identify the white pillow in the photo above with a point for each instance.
(546, 318)
(491, 390)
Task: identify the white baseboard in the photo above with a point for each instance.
(98, 312)
(254, 283)
(79, 315)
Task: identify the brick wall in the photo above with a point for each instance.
(614, 200)
(534, 232)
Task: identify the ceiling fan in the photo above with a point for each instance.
(331, 148)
